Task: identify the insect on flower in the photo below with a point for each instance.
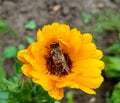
(57, 61)
(74, 61)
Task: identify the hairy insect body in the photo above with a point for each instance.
(59, 63)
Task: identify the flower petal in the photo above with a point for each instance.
(35, 49)
(25, 57)
(86, 38)
(90, 64)
(56, 93)
(89, 82)
(63, 31)
(55, 26)
(97, 54)
(48, 32)
(83, 88)
(29, 71)
(75, 44)
(75, 32)
(26, 68)
(86, 51)
(87, 90)
(63, 84)
(21, 57)
(40, 37)
(45, 82)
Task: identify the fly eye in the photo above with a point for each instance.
(54, 45)
(57, 44)
(51, 46)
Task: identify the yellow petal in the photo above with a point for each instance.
(55, 25)
(75, 45)
(64, 46)
(88, 64)
(97, 54)
(63, 31)
(40, 37)
(29, 71)
(46, 29)
(38, 50)
(45, 82)
(87, 90)
(56, 93)
(48, 33)
(86, 51)
(36, 74)
(89, 82)
(75, 32)
(35, 49)
(87, 72)
(91, 73)
(62, 79)
(20, 55)
(86, 38)
(26, 69)
(63, 84)
(83, 88)
(54, 28)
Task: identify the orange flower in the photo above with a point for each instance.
(63, 57)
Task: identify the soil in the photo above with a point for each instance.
(19, 12)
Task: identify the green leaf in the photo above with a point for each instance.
(3, 101)
(94, 11)
(3, 26)
(29, 39)
(40, 95)
(57, 102)
(3, 95)
(109, 21)
(115, 97)
(69, 96)
(86, 17)
(10, 52)
(10, 85)
(21, 47)
(31, 25)
(98, 29)
(101, 18)
(17, 67)
(112, 69)
(115, 48)
(2, 73)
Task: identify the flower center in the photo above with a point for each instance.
(58, 62)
